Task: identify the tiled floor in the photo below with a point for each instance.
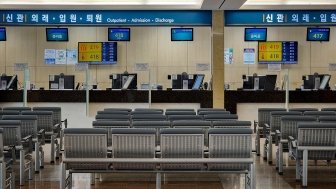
(319, 177)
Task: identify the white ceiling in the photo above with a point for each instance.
(167, 4)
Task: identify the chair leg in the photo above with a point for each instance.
(253, 176)
(297, 170)
(269, 150)
(3, 174)
(57, 149)
(62, 176)
(41, 157)
(305, 168)
(158, 180)
(265, 150)
(30, 170)
(52, 149)
(92, 178)
(22, 167)
(37, 157)
(70, 181)
(280, 158)
(257, 143)
(61, 140)
(12, 181)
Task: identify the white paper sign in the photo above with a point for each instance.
(49, 56)
(274, 67)
(20, 66)
(81, 67)
(60, 56)
(141, 66)
(228, 55)
(249, 55)
(202, 67)
(71, 56)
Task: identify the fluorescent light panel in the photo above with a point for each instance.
(101, 2)
(290, 2)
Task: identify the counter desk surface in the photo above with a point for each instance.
(204, 98)
(233, 97)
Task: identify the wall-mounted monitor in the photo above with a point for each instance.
(318, 34)
(2, 34)
(119, 34)
(57, 34)
(255, 34)
(278, 52)
(182, 34)
(97, 52)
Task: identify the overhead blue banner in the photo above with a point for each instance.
(105, 17)
(280, 17)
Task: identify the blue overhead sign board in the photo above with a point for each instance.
(105, 17)
(280, 17)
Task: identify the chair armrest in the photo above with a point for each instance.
(10, 150)
(27, 138)
(292, 142)
(290, 138)
(27, 142)
(65, 121)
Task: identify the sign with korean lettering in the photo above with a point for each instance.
(280, 17)
(105, 17)
(277, 52)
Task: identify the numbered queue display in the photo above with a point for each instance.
(97, 52)
(278, 52)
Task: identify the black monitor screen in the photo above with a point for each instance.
(2, 34)
(119, 81)
(57, 34)
(182, 34)
(119, 34)
(8, 82)
(248, 82)
(61, 82)
(270, 81)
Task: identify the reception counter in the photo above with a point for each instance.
(232, 98)
(204, 98)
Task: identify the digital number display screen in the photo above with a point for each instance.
(57, 34)
(119, 34)
(318, 34)
(97, 52)
(182, 34)
(278, 52)
(255, 34)
(2, 34)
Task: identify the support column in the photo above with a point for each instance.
(218, 58)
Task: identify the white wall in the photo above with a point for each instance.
(150, 45)
(312, 56)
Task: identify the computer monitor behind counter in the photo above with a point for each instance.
(316, 81)
(124, 81)
(187, 81)
(259, 82)
(61, 82)
(8, 82)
